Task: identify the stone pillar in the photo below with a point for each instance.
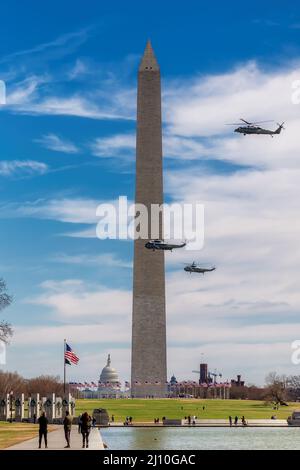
(66, 404)
(43, 405)
(34, 407)
(49, 407)
(19, 408)
(58, 408)
(5, 408)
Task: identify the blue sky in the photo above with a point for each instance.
(67, 144)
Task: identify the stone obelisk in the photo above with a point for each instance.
(149, 362)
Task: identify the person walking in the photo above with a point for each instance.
(236, 419)
(244, 422)
(67, 428)
(230, 421)
(85, 429)
(43, 430)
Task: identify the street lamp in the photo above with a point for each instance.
(11, 405)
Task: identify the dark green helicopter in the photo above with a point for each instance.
(196, 268)
(253, 128)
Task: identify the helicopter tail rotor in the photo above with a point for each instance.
(280, 127)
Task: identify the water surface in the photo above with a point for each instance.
(201, 438)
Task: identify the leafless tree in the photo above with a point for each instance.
(293, 387)
(11, 381)
(276, 389)
(6, 330)
(44, 385)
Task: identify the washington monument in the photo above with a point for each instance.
(149, 362)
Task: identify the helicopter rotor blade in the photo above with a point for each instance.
(248, 123)
(261, 122)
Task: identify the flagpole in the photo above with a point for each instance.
(64, 366)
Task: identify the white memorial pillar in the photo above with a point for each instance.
(19, 408)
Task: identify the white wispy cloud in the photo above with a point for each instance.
(57, 144)
(25, 102)
(61, 45)
(73, 299)
(120, 145)
(79, 69)
(66, 210)
(45, 90)
(22, 167)
(74, 211)
(105, 259)
(23, 92)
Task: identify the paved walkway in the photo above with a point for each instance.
(56, 441)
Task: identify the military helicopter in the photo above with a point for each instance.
(196, 268)
(253, 128)
(162, 245)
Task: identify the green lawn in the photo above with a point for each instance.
(146, 410)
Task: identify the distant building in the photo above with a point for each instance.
(109, 385)
(109, 375)
(238, 382)
(173, 380)
(203, 374)
(192, 389)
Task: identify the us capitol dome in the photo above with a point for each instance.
(109, 385)
(109, 375)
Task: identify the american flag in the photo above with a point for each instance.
(70, 356)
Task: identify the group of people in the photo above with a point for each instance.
(191, 419)
(128, 421)
(84, 427)
(236, 420)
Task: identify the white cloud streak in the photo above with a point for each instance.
(57, 144)
(22, 167)
(105, 259)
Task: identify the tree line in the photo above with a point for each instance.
(278, 390)
(44, 384)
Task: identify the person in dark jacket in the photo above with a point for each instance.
(43, 429)
(67, 428)
(86, 422)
